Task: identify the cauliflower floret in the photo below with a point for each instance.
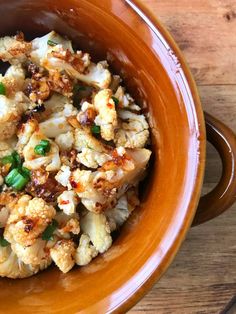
(107, 117)
(4, 214)
(4, 253)
(65, 141)
(12, 267)
(36, 254)
(13, 80)
(56, 103)
(14, 49)
(63, 255)
(63, 175)
(96, 75)
(55, 53)
(25, 132)
(119, 214)
(67, 202)
(10, 114)
(85, 252)
(125, 100)
(33, 161)
(83, 139)
(134, 133)
(100, 190)
(67, 224)
(91, 158)
(27, 220)
(41, 47)
(97, 228)
(7, 147)
(57, 123)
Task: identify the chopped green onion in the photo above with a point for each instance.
(13, 159)
(95, 129)
(51, 43)
(46, 144)
(48, 232)
(116, 100)
(2, 89)
(3, 242)
(25, 172)
(42, 148)
(17, 159)
(39, 150)
(16, 180)
(8, 160)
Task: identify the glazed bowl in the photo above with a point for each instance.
(155, 73)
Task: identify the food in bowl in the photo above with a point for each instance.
(72, 148)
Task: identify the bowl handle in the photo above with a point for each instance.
(224, 194)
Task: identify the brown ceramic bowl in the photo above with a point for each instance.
(154, 71)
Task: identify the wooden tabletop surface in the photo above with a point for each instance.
(202, 278)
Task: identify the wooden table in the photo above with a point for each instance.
(202, 278)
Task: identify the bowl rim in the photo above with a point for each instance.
(149, 18)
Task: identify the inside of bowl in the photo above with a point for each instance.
(145, 62)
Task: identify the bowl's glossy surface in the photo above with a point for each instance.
(146, 57)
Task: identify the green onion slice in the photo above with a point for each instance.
(95, 129)
(16, 179)
(2, 89)
(42, 148)
(116, 100)
(51, 43)
(7, 160)
(3, 242)
(25, 172)
(17, 159)
(48, 232)
(13, 159)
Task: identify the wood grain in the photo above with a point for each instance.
(202, 278)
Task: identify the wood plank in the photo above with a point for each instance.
(206, 32)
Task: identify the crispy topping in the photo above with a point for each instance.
(74, 59)
(44, 185)
(87, 117)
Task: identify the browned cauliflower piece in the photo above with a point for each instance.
(107, 117)
(101, 189)
(14, 49)
(96, 75)
(67, 224)
(63, 175)
(11, 110)
(35, 254)
(97, 228)
(58, 123)
(86, 251)
(7, 146)
(134, 133)
(27, 220)
(34, 161)
(13, 80)
(41, 46)
(67, 201)
(120, 213)
(24, 133)
(13, 267)
(84, 139)
(63, 254)
(65, 141)
(125, 100)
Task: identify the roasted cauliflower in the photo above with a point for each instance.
(72, 153)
